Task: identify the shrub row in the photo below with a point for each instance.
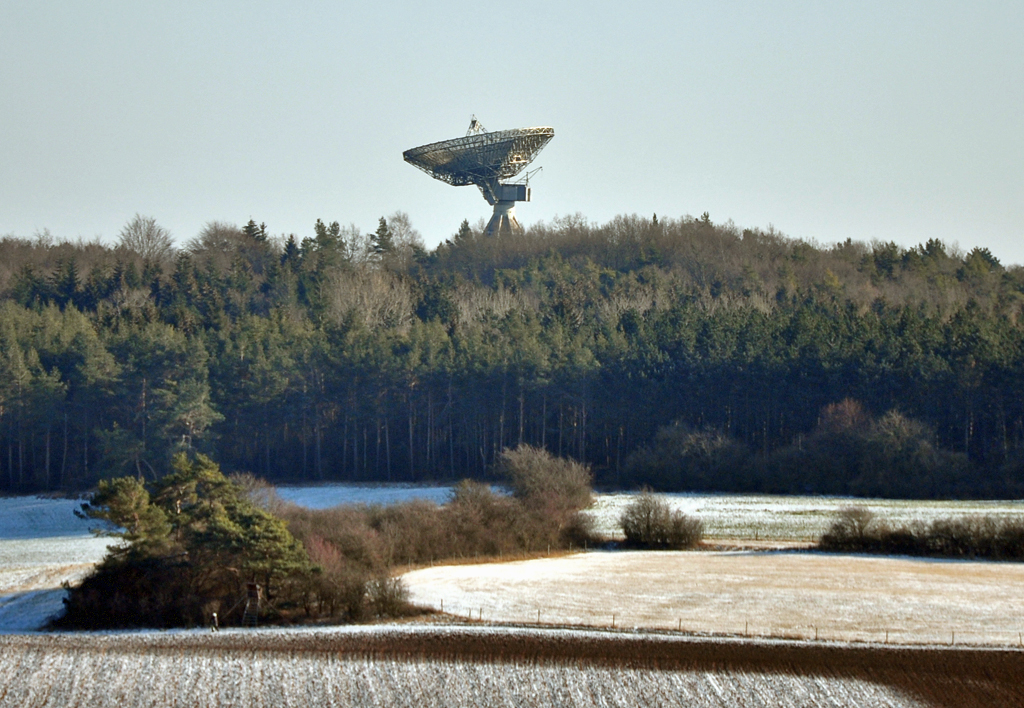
(857, 530)
(355, 547)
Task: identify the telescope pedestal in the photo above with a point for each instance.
(504, 220)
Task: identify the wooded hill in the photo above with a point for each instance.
(674, 352)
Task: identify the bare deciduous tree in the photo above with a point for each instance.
(378, 297)
(144, 236)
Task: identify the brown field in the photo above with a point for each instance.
(479, 666)
(771, 594)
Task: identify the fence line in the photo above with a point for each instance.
(931, 636)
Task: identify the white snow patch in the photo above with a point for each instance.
(42, 545)
(38, 517)
(47, 550)
(331, 495)
(29, 611)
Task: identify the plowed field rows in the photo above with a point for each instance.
(426, 666)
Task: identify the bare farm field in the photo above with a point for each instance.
(757, 594)
(426, 666)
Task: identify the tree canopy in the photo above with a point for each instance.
(190, 543)
(352, 355)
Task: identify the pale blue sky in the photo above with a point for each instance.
(869, 120)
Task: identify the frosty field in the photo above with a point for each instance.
(774, 594)
(328, 495)
(782, 518)
(842, 599)
(42, 544)
(426, 666)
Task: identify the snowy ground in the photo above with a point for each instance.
(777, 594)
(42, 545)
(426, 666)
(328, 495)
(42, 542)
(782, 518)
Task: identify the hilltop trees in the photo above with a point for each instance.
(679, 353)
(143, 236)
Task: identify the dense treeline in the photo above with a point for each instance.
(361, 356)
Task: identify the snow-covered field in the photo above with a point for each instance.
(774, 594)
(425, 666)
(840, 598)
(42, 545)
(782, 518)
(328, 495)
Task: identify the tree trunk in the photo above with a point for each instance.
(376, 456)
(412, 474)
(46, 463)
(64, 455)
(500, 442)
(319, 454)
(430, 429)
(583, 431)
(522, 404)
(10, 451)
(544, 421)
(85, 446)
(387, 447)
(344, 447)
(305, 446)
(21, 455)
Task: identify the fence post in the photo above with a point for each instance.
(613, 620)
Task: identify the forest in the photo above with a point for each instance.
(677, 353)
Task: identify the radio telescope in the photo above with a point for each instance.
(486, 160)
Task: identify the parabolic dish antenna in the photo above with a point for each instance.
(486, 160)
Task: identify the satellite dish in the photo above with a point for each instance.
(486, 160)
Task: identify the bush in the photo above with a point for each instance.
(649, 522)
(388, 597)
(534, 474)
(355, 546)
(339, 586)
(849, 530)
